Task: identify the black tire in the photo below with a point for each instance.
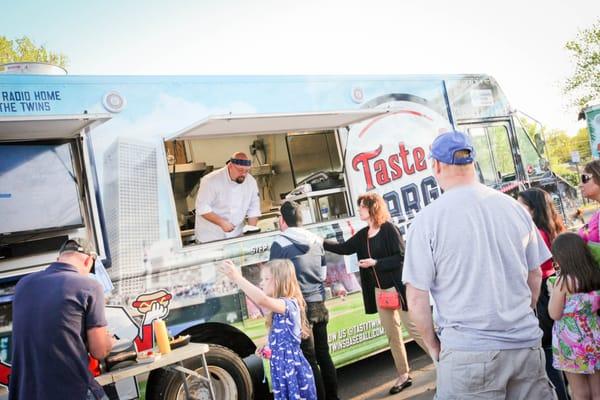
(230, 378)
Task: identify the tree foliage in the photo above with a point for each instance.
(23, 49)
(559, 147)
(584, 84)
(581, 143)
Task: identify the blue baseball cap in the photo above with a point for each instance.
(445, 146)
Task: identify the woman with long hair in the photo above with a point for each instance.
(549, 223)
(380, 252)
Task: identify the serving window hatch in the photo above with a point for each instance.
(252, 124)
(44, 127)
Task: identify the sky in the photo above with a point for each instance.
(520, 43)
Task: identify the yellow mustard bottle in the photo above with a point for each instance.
(161, 336)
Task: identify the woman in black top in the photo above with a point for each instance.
(380, 250)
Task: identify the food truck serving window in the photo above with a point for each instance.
(38, 187)
(44, 188)
(274, 162)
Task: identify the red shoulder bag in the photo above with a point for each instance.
(386, 300)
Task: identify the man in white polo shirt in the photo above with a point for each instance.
(225, 198)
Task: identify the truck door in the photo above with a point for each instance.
(498, 159)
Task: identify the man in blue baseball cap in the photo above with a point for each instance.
(478, 253)
(453, 148)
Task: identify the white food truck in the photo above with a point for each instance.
(118, 160)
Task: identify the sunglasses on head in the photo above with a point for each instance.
(585, 178)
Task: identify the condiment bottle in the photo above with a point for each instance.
(162, 337)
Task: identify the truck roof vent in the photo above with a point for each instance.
(32, 68)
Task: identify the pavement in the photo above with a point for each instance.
(372, 377)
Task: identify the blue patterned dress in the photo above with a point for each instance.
(291, 375)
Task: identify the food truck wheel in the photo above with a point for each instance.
(230, 378)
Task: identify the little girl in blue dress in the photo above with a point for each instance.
(291, 375)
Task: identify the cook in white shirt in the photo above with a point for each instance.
(225, 198)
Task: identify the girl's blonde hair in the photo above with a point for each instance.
(285, 285)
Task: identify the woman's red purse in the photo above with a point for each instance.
(387, 300)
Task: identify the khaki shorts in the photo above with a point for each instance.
(499, 374)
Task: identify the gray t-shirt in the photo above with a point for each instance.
(472, 249)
